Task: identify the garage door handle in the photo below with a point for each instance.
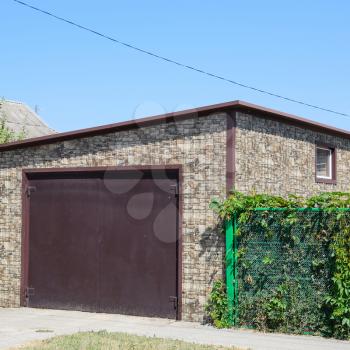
(174, 300)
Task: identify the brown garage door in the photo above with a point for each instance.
(103, 241)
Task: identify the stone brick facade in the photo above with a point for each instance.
(198, 144)
(279, 158)
(270, 156)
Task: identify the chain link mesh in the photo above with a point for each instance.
(283, 270)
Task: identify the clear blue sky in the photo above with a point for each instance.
(299, 49)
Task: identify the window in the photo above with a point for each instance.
(325, 164)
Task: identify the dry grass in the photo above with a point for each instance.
(115, 341)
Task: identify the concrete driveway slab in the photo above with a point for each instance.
(21, 325)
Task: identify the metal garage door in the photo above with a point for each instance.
(103, 241)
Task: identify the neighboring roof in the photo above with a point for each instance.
(19, 117)
(190, 113)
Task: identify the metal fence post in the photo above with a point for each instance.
(230, 269)
(235, 271)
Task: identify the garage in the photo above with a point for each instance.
(102, 240)
(116, 218)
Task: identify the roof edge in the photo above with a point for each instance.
(292, 119)
(181, 115)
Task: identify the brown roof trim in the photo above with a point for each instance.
(186, 114)
(291, 119)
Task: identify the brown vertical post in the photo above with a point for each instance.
(25, 239)
(230, 150)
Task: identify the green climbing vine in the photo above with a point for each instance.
(294, 262)
(217, 308)
(339, 300)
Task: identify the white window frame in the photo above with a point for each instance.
(330, 163)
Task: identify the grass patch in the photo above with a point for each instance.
(115, 341)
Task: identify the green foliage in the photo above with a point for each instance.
(283, 273)
(293, 262)
(275, 308)
(6, 134)
(216, 307)
(242, 204)
(339, 300)
(329, 200)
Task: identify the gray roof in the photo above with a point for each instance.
(19, 116)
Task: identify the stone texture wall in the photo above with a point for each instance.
(197, 144)
(271, 157)
(278, 158)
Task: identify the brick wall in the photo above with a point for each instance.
(197, 144)
(271, 157)
(278, 158)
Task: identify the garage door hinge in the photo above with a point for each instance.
(28, 292)
(174, 300)
(175, 189)
(30, 190)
